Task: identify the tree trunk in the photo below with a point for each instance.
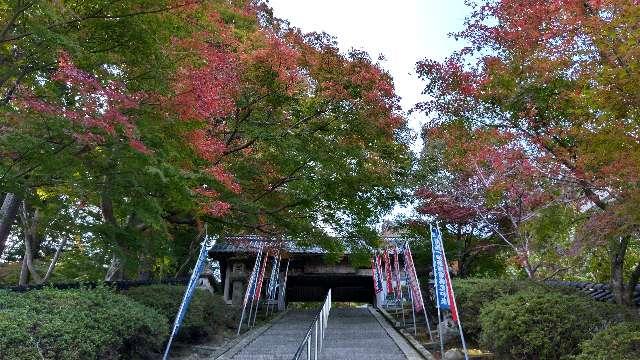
(464, 254)
(529, 270)
(54, 260)
(618, 252)
(631, 285)
(144, 268)
(24, 274)
(8, 213)
(115, 271)
(30, 218)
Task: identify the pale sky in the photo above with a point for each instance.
(404, 31)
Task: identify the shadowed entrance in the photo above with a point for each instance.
(305, 275)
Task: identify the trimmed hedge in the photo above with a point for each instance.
(620, 342)
(78, 324)
(207, 316)
(540, 323)
(473, 294)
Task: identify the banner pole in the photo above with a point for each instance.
(453, 297)
(433, 260)
(269, 285)
(404, 322)
(440, 333)
(399, 281)
(186, 299)
(253, 296)
(284, 284)
(255, 312)
(424, 308)
(274, 288)
(259, 288)
(246, 295)
(379, 268)
(276, 283)
(413, 309)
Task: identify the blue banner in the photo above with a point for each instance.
(273, 279)
(188, 294)
(439, 270)
(254, 279)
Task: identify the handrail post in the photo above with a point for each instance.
(321, 328)
(315, 342)
(319, 324)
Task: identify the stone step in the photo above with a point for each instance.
(356, 334)
(352, 333)
(281, 339)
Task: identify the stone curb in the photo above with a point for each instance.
(408, 337)
(236, 345)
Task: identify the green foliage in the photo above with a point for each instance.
(206, 317)
(16, 342)
(620, 342)
(540, 323)
(297, 146)
(9, 273)
(76, 264)
(78, 324)
(474, 294)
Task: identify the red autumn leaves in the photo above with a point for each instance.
(99, 111)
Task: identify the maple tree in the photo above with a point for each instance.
(495, 186)
(150, 118)
(555, 76)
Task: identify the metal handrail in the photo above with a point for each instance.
(319, 324)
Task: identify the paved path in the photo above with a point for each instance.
(281, 340)
(356, 334)
(352, 334)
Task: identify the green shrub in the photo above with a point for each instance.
(540, 323)
(78, 324)
(16, 342)
(620, 342)
(473, 294)
(206, 317)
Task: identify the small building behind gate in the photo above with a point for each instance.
(305, 272)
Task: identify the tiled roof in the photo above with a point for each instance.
(252, 243)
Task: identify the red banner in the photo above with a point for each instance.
(387, 272)
(413, 280)
(452, 303)
(396, 269)
(261, 276)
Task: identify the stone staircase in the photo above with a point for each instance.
(356, 334)
(352, 333)
(281, 339)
